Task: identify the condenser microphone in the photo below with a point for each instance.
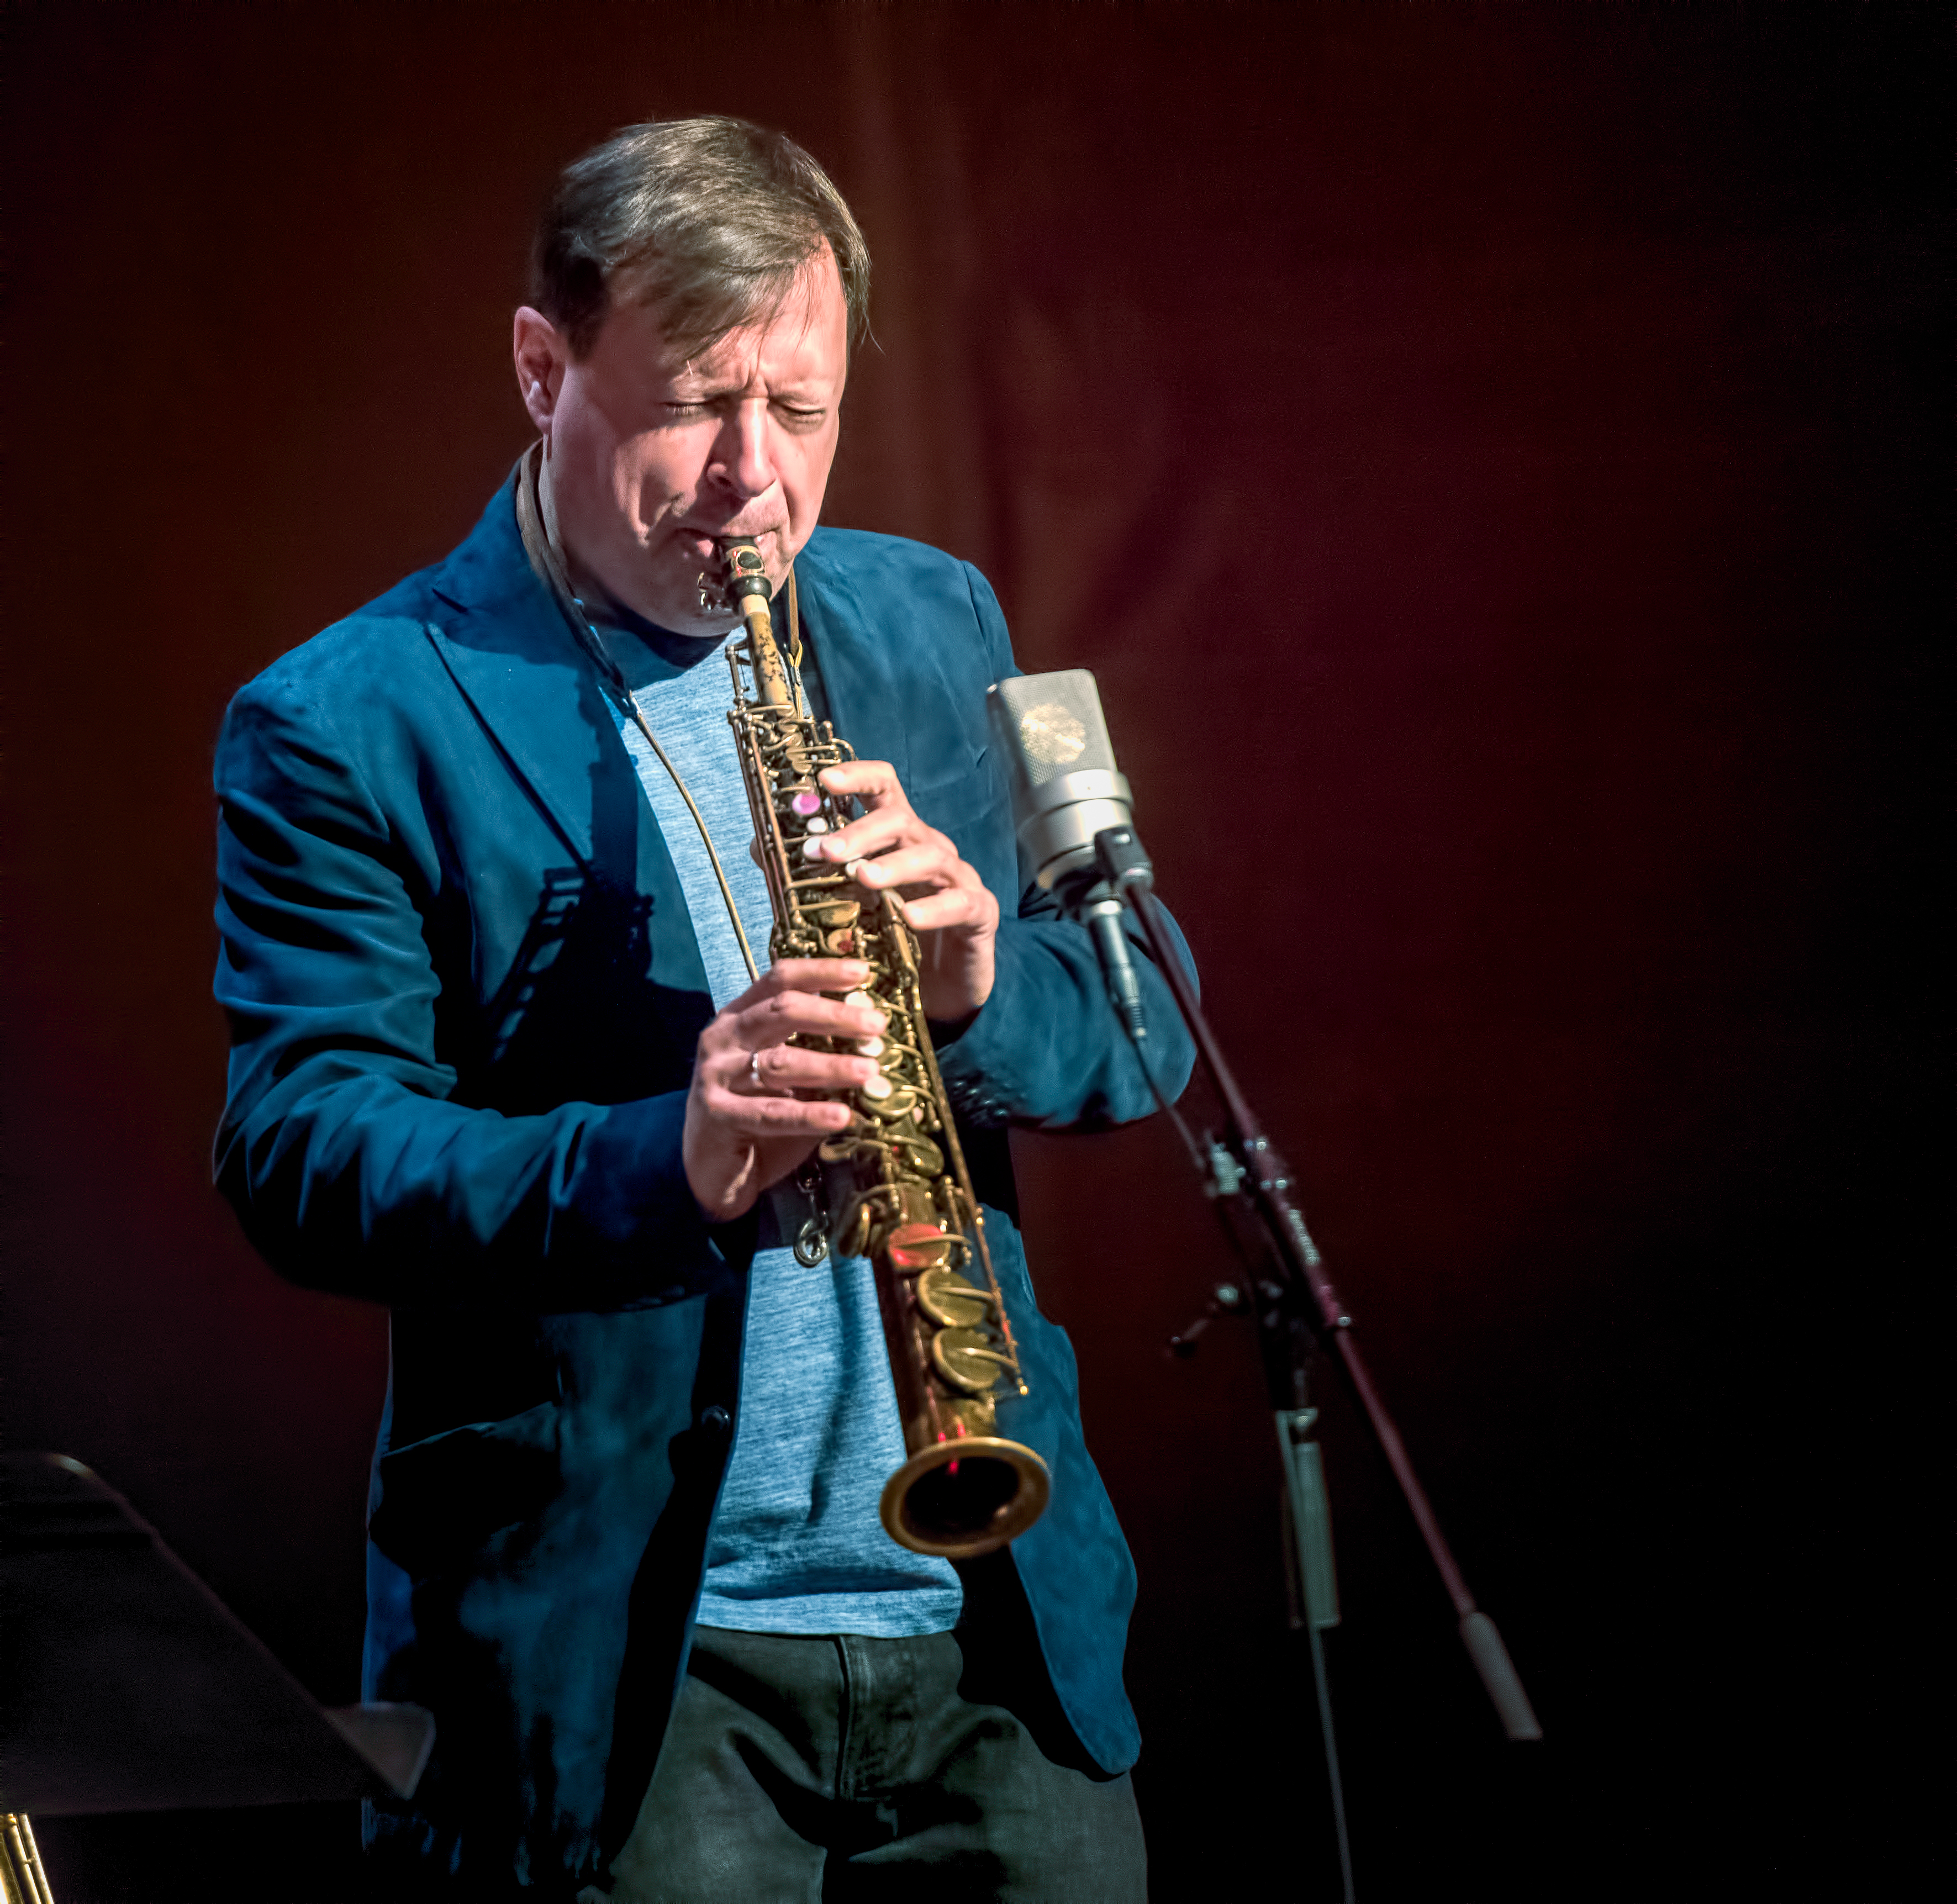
(1066, 791)
(1066, 787)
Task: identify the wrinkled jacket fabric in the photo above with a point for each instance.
(464, 995)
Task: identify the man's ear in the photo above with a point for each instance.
(541, 354)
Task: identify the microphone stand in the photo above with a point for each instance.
(1296, 1309)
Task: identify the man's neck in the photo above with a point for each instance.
(597, 600)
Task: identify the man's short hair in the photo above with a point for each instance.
(708, 221)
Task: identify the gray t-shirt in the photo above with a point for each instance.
(796, 1545)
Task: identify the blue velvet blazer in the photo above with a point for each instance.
(464, 995)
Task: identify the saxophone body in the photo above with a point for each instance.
(893, 1186)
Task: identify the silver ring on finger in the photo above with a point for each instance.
(754, 1077)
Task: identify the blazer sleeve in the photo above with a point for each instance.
(339, 1148)
(1046, 1049)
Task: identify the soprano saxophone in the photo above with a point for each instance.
(893, 1186)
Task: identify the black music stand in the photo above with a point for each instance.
(130, 1687)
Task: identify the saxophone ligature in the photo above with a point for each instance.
(893, 1186)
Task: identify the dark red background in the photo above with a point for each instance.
(1495, 459)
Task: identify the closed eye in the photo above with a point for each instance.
(799, 417)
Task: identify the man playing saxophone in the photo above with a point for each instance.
(510, 1056)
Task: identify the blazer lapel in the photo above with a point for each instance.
(855, 675)
(499, 633)
(505, 643)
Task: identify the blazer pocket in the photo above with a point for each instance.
(443, 1499)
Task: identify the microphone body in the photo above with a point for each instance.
(1066, 791)
(1066, 786)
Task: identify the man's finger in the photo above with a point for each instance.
(784, 1067)
(805, 975)
(774, 1021)
(869, 781)
(782, 1116)
(909, 866)
(959, 906)
(885, 827)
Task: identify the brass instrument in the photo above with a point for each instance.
(894, 1183)
(22, 1879)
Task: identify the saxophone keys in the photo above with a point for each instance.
(964, 1417)
(919, 1246)
(852, 1230)
(922, 1156)
(950, 1301)
(966, 1359)
(835, 920)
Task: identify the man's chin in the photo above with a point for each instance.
(694, 621)
(669, 597)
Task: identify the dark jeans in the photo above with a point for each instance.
(808, 1771)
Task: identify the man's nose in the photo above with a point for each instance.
(742, 460)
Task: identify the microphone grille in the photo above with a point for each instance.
(1053, 723)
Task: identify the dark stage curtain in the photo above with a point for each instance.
(1554, 843)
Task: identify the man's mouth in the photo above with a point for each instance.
(705, 543)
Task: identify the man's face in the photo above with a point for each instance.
(652, 456)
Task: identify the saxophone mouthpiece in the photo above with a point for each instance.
(746, 573)
(742, 573)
